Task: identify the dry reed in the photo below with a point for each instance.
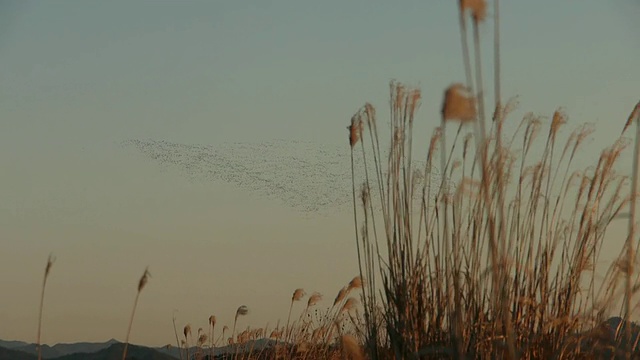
(47, 270)
(141, 284)
(502, 264)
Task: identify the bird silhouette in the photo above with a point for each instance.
(308, 177)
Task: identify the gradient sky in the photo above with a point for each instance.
(79, 77)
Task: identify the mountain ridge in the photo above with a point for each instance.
(109, 352)
(602, 339)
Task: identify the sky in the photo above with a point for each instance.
(79, 78)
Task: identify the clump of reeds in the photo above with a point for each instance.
(487, 260)
(630, 258)
(499, 257)
(141, 284)
(317, 334)
(47, 270)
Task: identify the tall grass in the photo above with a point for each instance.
(141, 284)
(47, 270)
(318, 333)
(175, 330)
(498, 258)
(629, 246)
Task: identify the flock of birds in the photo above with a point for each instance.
(305, 176)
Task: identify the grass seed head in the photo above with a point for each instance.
(635, 115)
(458, 104)
(341, 295)
(298, 294)
(414, 102)
(50, 261)
(242, 310)
(478, 8)
(314, 299)
(370, 112)
(399, 98)
(355, 283)
(143, 279)
(435, 139)
(559, 119)
(583, 133)
(349, 304)
(501, 112)
(355, 129)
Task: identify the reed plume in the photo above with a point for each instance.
(341, 295)
(186, 331)
(350, 304)
(635, 113)
(242, 310)
(458, 104)
(355, 283)
(298, 294)
(141, 284)
(47, 270)
(212, 325)
(314, 299)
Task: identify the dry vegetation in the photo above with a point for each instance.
(317, 334)
(497, 260)
(502, 263)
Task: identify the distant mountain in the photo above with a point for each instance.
(114, 352)
(11, 354)
(51, 352)
(12, 344)
(48, 352)
(82, 347)
(601, 340)
(110, 350)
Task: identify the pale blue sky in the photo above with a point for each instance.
(78, 77)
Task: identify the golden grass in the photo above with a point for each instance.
(47, 270)
(495, 260)
(503, 264)
(141, 284)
